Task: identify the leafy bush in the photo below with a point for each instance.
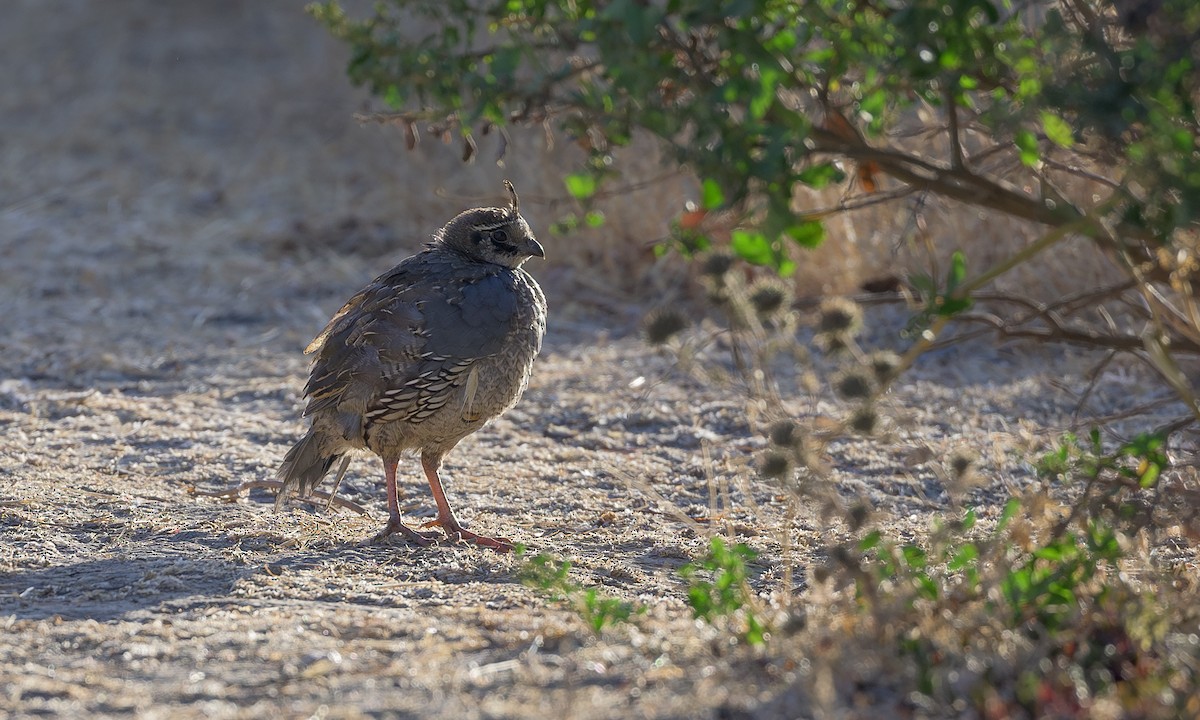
(759, 97)
(1078, 115)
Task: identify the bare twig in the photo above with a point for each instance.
(956, 151)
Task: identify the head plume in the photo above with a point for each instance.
(493, 234)
(514, 203)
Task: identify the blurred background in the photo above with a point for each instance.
(205, 156)
(150, 144)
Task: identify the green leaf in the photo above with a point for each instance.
(872, 540)
(1057, 130)
(808, 234)
(711, 195)
(924, 283)
(966, 555)
(581, 185)
(818, 176)
(926, 586)
(503, 63)
(753, 247)
(1028, 145)
(957, 272)
(1010, 510)
(1148, 473)
(393, 97)
(782, 41)
(765, 96)
(914, 556)
(756, 634)
(951, 306)
(594, 219)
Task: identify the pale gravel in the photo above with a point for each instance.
(172, 234)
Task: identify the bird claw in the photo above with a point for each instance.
(456, 533)
(498, 544)
(412, 536)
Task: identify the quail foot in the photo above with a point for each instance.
(423, 356)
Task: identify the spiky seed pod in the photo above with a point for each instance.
(839, 555)
(838, 316)
(864, 420)
(718, 294)
(832, 343)
(884, 364)
(662, 325)
(768, 297)
(961, 464)
(717, 264)
(858, 516)
(783, 434)
(854, 384)
(821, 573)
(774, 465)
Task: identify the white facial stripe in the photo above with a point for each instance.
(493, 226)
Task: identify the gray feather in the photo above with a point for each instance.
(303, 468)
(475, 322)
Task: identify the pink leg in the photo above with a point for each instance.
(394, 525)
(445, 519)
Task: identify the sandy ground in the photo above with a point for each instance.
(183, 201)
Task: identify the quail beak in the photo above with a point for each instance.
(534, 248)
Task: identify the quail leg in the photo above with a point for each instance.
(394, 525)
(446, 519)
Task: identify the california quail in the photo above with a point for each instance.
(425, 355)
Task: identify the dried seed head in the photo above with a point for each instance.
(839, 315)
(961, 464)
(821, 573)
(841, 556)
(717, 293)
(774, 464)
(717, 264)
(662, 325)
(783, 434)
(832, 343)
(858, 516)
(768, 297)
(884, 364)
(854, 384)
(864, 420)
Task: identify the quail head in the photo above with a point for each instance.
(423, 356)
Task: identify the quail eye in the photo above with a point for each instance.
(499, 236)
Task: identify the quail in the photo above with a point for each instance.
(423, 356)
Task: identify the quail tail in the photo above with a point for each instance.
(303, 468)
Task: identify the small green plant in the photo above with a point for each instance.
(1047, 586)
(1135, 464)
(545, 573)
(718, 588)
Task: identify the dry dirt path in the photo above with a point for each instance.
(183, 201)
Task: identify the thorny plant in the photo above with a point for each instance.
(1047, 600)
